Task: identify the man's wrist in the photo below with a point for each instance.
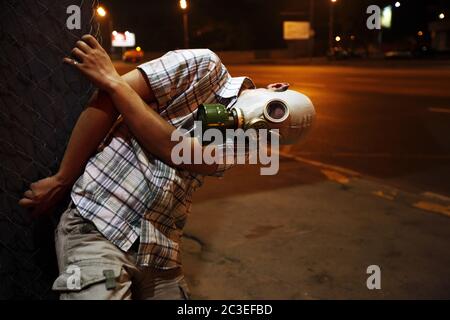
(115, 84)
(64, 181)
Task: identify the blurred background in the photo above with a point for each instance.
(289, 28)
(369, 186)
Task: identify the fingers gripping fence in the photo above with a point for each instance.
(40, 100)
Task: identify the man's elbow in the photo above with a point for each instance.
(103, 102)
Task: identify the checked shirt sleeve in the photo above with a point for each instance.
(179, 71)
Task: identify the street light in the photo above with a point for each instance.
(311, 30)
(101, 12)
(398, 4)
(337, 38)
(331, 26)
(106, 25)
(442, 16)
(183, 4)
(184, 8)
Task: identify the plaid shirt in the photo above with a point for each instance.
(128, 193)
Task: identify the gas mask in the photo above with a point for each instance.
(290, 112)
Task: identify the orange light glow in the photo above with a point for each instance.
(183, 4)
(101, 11)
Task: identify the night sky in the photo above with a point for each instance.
(257, 24)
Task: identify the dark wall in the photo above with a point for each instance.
(40, 100)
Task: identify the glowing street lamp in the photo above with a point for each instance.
(101, 12)
(104, 18)
(442, 16)
(183, 4)
(398, 4)
(331, 26)
(338, 39)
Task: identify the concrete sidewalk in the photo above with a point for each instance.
(310, 232)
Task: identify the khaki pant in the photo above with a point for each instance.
(91, 267)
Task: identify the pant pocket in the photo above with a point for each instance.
(184, 288)
(163, 289)
(77, 277)
(71, 222)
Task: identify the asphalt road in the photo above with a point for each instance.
(311, 231)
(390, 123)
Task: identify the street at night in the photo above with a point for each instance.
(369, 186)
(234, 153)
(390, 122)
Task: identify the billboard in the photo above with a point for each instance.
(386, 17)
(123, 39)
(296, 30)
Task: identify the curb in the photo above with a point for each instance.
(427, 201)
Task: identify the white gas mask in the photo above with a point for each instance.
(290, 112)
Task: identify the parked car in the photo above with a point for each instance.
(338, 53)
(134, 55)
(398, 55)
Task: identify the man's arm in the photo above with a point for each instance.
(149, 128)
(123, 95)
(91, 128)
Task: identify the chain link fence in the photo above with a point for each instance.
(40, 100)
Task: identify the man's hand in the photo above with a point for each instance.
(93, 61)
(279, 86)
(44, 195)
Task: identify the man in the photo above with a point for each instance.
(120, 236)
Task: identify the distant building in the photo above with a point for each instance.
(440, 35)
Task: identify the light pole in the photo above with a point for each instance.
(387, 17)
(331, 27)
(184, 8)
(311, 29)
(103, 15)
